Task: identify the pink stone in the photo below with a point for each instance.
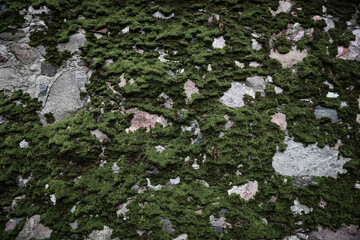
(317, 18)
(10, 225)
(190, 89)
(280, 120)
(102, 31)
(246, 191)
(343, 52)
(299, 36)
(143, 119)
(278, 34)
(273, 199)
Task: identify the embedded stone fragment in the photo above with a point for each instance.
(346, 232)
(299, 209)
(234, 96)
(24, 144)
(218, 42)
(48, 69)
(181, 237)
(353, 52)
(284, 6)
(100, 135)
(143, 119)
(255, 45)
(167, 225)
(190, 89)
(321, 112)
(76, 41)
(280, 120)
(33, 229)
(298, 160)
(3, 54)
(24, 53)
(288, 60)
(101, 234)
(246, 191)
(160, 15)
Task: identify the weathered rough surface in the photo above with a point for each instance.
(255, 45)
(246, 191)
(289, 59)
(100, 135)
(64, 95)
(351, 232)
(321, 112)
(24, 53)
(101, 234)
(190, 88)
(3, 53)
(218, 42)
(160, 15)
(280, 120)
(34, 229)
(48, 69)
(284, 6)
(298, 160)
(353, 51)
(299, 209)
(167, 225)
(181, 237)
(76, 41)
(143, 119)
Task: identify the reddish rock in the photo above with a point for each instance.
(24, 53)
(351, 232)
(102, 31)
(143, 119)
(10, 225)
(280, 120)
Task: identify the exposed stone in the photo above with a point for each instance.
(246, 191)
(64, 95)
(358, 118)
(175, 181)
(74, 225)
(257, 83)
(10, 225)
(240, 65)
(321, 112)
(168, 101)
(2, 120)
(303, 181)
(42, 50)
(42, 90)
(103, 31)
(219, 224)
(34, 229)
(76, 41)
(289, 59)
(278, 90)
(125, 30)
(143, 119)
(24, 144)
(101, 234)
(284, 6)
(160, 148)
(181, 237)
(299, 209)
(254, 64)
(218, 42)
(234, 96)
(353, 52)
(298, 160)
(115, 168)
(280, 120)
(3, 54)
(346, 232)
(48, 69)
(24, 53)
(53, 199)
(329, 24)
(167, 225)
(293, 237)
(160, 15)
(190, 89)
(122, 210)
(6, 36)
(100, 135)
(156, 188)
(255, 45)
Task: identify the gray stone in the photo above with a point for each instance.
(33, 229)
(167, 225)
(172, 74)
(76, 41)
(42, 50)
(100, 135)
(6, 36)
(74, 225)
(24, 53)
(48, 69)
(160, 15)
(115, 168)
(299, 209)
(3, 54)
(350, 232)
(64, 96)
(42, 90)
(19, 34)
(298, 160)
(101, 234)
(257, 83)
(321, 112)
(218, 42)
(303, 181)
(24, 144)
(2, 120)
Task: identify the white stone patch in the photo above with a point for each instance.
(299, 209)
(190, 89)
(98, 35)
(246, 191)
(76, 41)
(254, 64)
(101, 234)
(122, 210)
(53, 199)
(125, 30)
(168, 101)
(160, 148)
(332, 95)
(99, 135)
(218, 42)
(278, 90)
(280, 120)
(358, 118)
(329, 84)
(289, 59)
(160, 15)
(329, 24)
(298, 160)
(115, 168)
(24, 144)
(255, 45)
(209, 68)
(181, 237)
(156, 188)
(234, 96)
(357, 185)
(72, 210)
(284, 6)
(240, 65)
(175, 181)
(195, 165)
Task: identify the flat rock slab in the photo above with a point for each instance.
(24, 53)
(101, 234)
(298, 160)
(48, 69)
(76, 41)
(289, 59)
(321, 112)
(350, 232)
(246, 191)
(64, 95)
(33, 229)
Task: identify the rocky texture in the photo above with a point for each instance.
(280, 120)
(160, 15)
(299, 209)
(350, 232)
(246, 191)
(321, 112)
(298, 160)
(102, 137)
(289, 59)
(101, 234)
(284, 6)
(76, 41)
(48, 70)
(167, 225)
(255, 45)
(234, 96)
(353, 51)
(181, 237)
(143, 119)
(3, 53)
(24, 53)
(190, 88)
(218, 42)
(64, 95)
(33, 229)
(24, 144)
